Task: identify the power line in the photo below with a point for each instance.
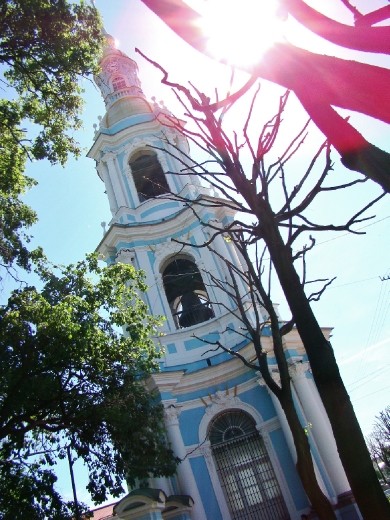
(349, 233)
(377, 321)
(362, 380)
(355, 282)
(372, 393)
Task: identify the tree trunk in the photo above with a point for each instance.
(372, 162)
(304, 465)
(282, 391)
(348, 436)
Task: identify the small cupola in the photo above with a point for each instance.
(119, 84)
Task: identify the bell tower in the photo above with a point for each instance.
(158, 220)
(231, 435)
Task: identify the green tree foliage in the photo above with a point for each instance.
(45, 47)
(69, 376)
(15, 216)
(17, 487)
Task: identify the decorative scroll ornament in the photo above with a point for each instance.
(221, 401)
(168, 249)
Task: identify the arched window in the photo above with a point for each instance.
(244, 469)
(149, 178)
(118, 83)
(186, 293)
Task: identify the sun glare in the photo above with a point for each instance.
(240, 32)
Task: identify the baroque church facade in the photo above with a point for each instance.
(230, 433)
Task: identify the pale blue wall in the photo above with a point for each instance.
(205, 488)
(290, 474)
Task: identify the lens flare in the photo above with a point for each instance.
(240, 32)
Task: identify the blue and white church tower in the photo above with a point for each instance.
(237, 453)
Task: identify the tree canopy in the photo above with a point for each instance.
(70, 378)
(45, 47)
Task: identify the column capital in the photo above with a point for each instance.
(172, 411)
(108, 157)
(275, 376)
(297, 368)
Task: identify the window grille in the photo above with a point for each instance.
(244, 469)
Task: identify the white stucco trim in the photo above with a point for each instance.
(223, 402)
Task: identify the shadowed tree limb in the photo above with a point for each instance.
(345, 84)
(360, 37)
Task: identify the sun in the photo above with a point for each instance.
(239, 32)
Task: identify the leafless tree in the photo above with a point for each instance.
(320, 82)
(280, 223)
(249, 312)
(378, 444)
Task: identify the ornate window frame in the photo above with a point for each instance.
(222, 402)
(144, 144)
(165, 254)
(118, 82)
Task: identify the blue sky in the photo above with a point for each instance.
(71, 205)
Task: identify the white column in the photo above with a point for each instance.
(109, 158)
(287, 431)
(319, 426)
(185, 476)
(103, 172)
(161, 305)
(282, 419)
(229, 250)
(154, 282)
(219, 268)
